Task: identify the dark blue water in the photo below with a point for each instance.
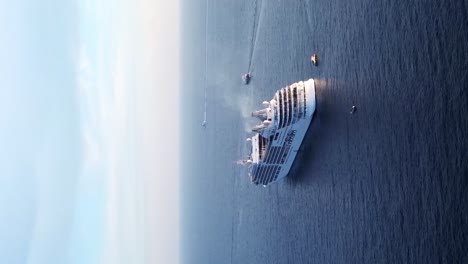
(387, 184)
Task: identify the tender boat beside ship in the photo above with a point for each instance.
(246, 78)
(284, 123)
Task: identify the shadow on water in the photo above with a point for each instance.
(329, 112)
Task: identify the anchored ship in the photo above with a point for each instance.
(284, 123)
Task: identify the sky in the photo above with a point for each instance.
(89, 131)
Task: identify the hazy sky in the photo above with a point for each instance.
(89, 131)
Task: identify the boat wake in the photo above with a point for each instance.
(206, 66)
(204, 112)
(255, 28)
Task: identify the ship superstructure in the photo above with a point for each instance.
(284, 123)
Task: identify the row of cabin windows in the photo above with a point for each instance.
(267, 174)
(299, 111)
(275, 154)
(286, 97)
(262, 145)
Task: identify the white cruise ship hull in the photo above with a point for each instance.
(275, 147)
(300, 129)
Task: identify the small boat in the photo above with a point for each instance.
(246, 78)
(314, 59)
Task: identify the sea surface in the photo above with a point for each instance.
(387, 184)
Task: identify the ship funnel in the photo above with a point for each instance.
(265, 104)
(261, 114)
(258, 128)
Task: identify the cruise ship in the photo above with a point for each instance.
(284, 123)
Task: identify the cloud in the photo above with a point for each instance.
(107, 137)
(128, 90)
